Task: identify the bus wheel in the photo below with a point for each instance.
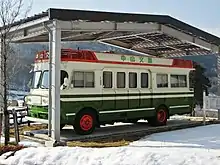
(160, 118)
(85, 122)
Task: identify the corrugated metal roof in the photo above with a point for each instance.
(97, 16)
(153, 43)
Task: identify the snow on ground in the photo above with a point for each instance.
(113, 156)
(193, 146)
(204, 137)
(26, 143)
(29, 143)
(174, 117)
(2, 140)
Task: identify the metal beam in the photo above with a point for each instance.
(30, 32)
(105, 35)
(56, 53)
(16, 28)
(83, 36)
(159, 43)
(123, 37)
(182, 53)
(34, 37)
(125, 46)
(145, 39)
(50, 78)
(1, 79)
(195, 44)
(186, 37)
(107, 26)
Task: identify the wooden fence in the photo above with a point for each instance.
(16, 117)
(21, 113)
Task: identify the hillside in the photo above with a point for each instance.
(28, 52)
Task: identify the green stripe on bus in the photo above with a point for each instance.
(121, 94)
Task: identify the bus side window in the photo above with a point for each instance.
(144, 80)
(132, 80)
(162, 80)
(121, 80)
(178, 81)
(107, 79)
(83, 79)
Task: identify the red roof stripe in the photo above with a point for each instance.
(90, 56)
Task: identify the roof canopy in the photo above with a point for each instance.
(157, 35)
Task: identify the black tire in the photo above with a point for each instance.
(85, 122)
(160, 118)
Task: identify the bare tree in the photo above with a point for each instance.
(10, 12)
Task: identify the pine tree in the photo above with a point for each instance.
(201, 83)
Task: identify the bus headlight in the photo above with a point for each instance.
(27, 99)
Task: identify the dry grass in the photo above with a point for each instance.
(10, 147)
(73, 143)
(28, 128)
(98, 144)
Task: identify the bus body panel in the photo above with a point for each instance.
(115, 103)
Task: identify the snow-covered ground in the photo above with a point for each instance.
(26, 143)
(194, 146)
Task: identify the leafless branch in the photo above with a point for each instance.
(10, 12)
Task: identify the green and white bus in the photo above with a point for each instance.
(101, 88)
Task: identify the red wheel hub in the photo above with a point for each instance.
(161, 115)
(86, 122)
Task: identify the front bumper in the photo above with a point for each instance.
(37, 120)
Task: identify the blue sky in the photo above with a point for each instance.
(204, 14)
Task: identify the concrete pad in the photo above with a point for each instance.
(68, 134)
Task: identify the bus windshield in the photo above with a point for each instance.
(36, 79)
(45, 80)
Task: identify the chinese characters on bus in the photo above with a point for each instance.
(140, 59)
